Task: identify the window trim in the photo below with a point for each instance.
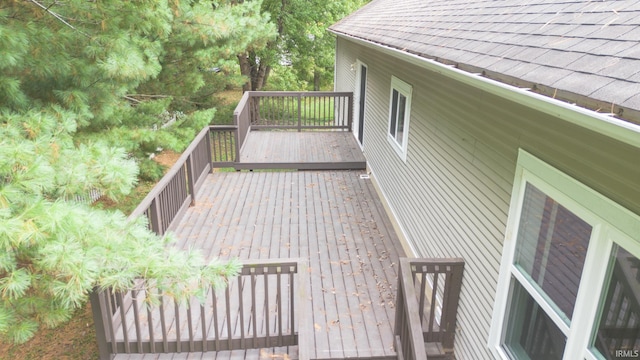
(406, 90)
(612, 224)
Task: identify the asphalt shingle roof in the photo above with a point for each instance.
(587, 48)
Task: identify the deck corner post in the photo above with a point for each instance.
(236, 141)
(155, 217)
(299, 112)
(350, 113)
(97, 310)
(207, 140)
(191, 179)
(455, 286)
(305, 322)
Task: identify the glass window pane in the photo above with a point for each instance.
(394, 113)
(402, 104)
(619, 329)
(530, 332)
(551, 247)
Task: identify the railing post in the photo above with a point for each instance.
(408, 323)
(299, 112)
(254, 113)
(350, 112)
(209, 150)
(454, 285)
(305, 327)
(236, 140)
(190, 179)
(99, 312)
(155, 217)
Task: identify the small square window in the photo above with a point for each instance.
(399, 115)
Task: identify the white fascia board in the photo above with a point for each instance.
(601, 123)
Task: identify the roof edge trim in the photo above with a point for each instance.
(618, 129)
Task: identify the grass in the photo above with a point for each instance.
(75, 340)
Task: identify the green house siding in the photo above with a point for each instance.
(451, 196)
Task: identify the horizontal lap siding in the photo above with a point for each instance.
(451, 197)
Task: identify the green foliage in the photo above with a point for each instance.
(192, 69)
(284, 77)
(303, 44)
(88, 91)
(55, 250)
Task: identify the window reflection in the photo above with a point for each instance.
(552, 247)
(531, 333)
(618, 332)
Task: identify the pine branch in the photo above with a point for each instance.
(132, 99)
(150, 96)
(58, 16)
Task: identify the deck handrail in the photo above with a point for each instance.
(424, 285)
(293, 110)
(177, 189)
(268, 295)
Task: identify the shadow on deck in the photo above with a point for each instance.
(323, 266)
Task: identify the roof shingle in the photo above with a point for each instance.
(591, 49)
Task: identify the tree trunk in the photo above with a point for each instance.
(245, 69)
(256, 71)
(316, 80)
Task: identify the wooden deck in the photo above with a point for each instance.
(332, 218)
(320, 235)
(329, 150)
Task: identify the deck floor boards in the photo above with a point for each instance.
(307, 148)
(332, 218)
(336, 221)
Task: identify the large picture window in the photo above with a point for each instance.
(399, 115)
(569, 284)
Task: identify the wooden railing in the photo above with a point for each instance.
(263, 307)
(176, 191)
(426, 288)
(287, 110)
(224, 145)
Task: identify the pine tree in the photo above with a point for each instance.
(86, 93)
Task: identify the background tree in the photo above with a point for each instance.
(81, 107)
(302, 42)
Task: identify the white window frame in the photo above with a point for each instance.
(405, 90)
(612, 224)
